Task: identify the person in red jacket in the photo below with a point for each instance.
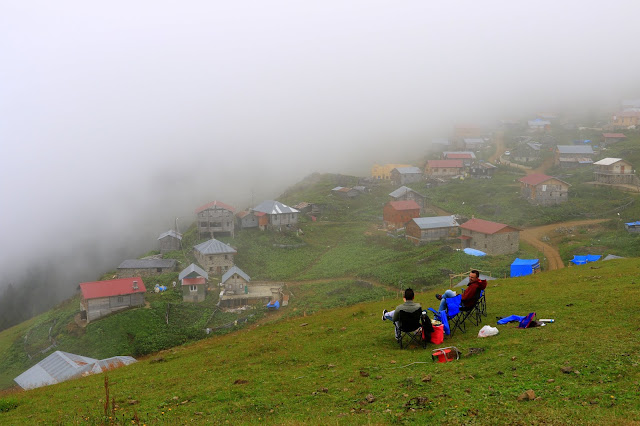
(469, 296)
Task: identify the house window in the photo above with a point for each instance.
(120, 299)
(158, 269)
(226, 257)
(193, 288)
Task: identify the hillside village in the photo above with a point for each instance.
(444, 213)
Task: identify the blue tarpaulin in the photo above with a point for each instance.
(581, 260)
(522, 267)
(274, 305)
(474, 252)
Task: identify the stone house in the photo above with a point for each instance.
(235, 281)
(473, 144)
(344, 192)
(383, 172)
(610, 138)
(425, 229)
(215, 219)
(405, 193)
(444, 168)
(614, 171)
(397, 213)
(538, 188)
(145, 267)
(492, 238)
(526, 152)
(102, 298)
(467, 157)
(276, 215)
(247, 219)
(194, 289)
(568, 156)
(482, 169)
(404, 175)
(169, 241)
(214, 256)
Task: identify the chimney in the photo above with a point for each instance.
(135, 284)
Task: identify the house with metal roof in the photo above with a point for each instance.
(473, 144)
(345, 192)
(444, 168)
(482, 169)
(214, 256)
(614, 171)
(169, 241)
(383, 172)
(493, 238)
(467, 157)
(62, 366)
(539, 125)
(403, 175)
(247, 219)
(527, 152)
(278, 215)
(145, 267)
(396, 214)
(215, 219)
(425, 229)
(235, 281)
(102, 298)
(538, 188)
(194, 289)
(610, 138)
(193, 271)
(404, 193)
(573, 155)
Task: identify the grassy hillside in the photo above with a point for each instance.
(343, 366)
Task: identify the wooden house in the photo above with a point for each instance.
(397, 213)
(492, 238)
(214, 256)
(425, 229)
(276, 216)
(625, 119)
(194, 289)
(145, 267)
(405, 193)
(467, 157)
(482, 169)
(538, 188)
(611, 138)
(169, 241)
(247, 219)
(614, 171)
(345, 192)
(444, 168)
(101, 298)
(215, 219)
(383, 172)
(568, 156)
(404, 175)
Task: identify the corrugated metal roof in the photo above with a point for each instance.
(119, 287)
(534, 145)
(614, 135)
(435, 222)
(216, 205)
(112, 363)
(473, 140)
(274, 207)
(234, 270)
(338, 188)
(575, 149)
(171, 233)
(404, 205)
(214, 246)
(408, 170)
(484, 226)
(607, 161)
(193, 281)
(445, 163)
(192, 271)
(535, 178)
(446, 154)
(56, 368)
(147, 263)
(402, 191)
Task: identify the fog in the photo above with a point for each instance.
(121, 116)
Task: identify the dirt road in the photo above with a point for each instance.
(532, 237)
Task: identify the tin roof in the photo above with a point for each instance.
(484, 226)
(535, 178)
(193, 281)
(214, 246)
(607, 161)
(614, 135)
(447, 154)
(575, 149)
(445, 163)
(170, 233)
(112, 363)
(404, 205)
(192, 271)
(216, 205)
(147, 263)
(458, 156)
(408, 170)
(274, 207)
(119, 287)
(234, 270)
(435, 222)
(402, 191)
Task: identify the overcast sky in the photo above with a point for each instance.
(119, 116)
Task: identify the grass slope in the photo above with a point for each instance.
(342, 366)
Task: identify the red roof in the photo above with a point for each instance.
(193, 281)
(119, 287)
(404, 205)
(445, 163)
(483, 226)
(452, 155)
(614, 135)
(535, 178)
(242, 214)
(218, 204)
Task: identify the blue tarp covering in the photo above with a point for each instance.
(522, 267)
(474, 252)
(633, 223)
(581, 260)
(274, 305)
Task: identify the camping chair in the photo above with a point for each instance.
(477, 311)
(409, 324)
(452, 317)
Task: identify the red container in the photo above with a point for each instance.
(445, 354)
(437, 335)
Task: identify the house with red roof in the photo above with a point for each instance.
(247, 219)
(609, 138)
(444, 168)
(492, 238)
(215, 219)
(396, 214)
(102, 298)
(194, 289)
(538, 188)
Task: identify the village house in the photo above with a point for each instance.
(314, 208)
(383, 172)
(397, 213)
(237, 290)
(567, 156)
(215, 219)
(610, 138)
(344, 192)
(473, 144)
(235, 281)
(405, 193)
(467, 157)
(169, 241)
(247, 219)
(276, 215)
(193, 281)
(490, 237)
(625, 119)
(404, 175)
(546, 190)
(461, 131)
(101, 298)
(444, 168)
(145, 267)
(482, 169)
(632, 227)
(214, 256)
(425, 229)
(526, 152)
(440, 144)
(193, 271)
(538, 125)
(614, 171)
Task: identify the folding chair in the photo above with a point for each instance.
(409, 324)
(476, 312)
(452, 317)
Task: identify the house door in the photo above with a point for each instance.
(621, 169)
(219, 270)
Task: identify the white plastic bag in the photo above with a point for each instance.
(487, 331)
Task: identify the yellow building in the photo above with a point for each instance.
(383, 172)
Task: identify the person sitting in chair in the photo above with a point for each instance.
(469, 296)
(408, 306)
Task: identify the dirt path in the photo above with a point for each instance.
(532, 236)
(499, 140)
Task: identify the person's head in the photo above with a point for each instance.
(474, 275)
(408, 294)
